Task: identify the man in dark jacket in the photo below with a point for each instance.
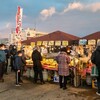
(13, 52)
(95, 58)
(17, 66)
(37, 58)
(23, 64)
(7, 57)
(2, 61)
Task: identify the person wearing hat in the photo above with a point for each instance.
(95, 58)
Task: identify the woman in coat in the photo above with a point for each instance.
(63, 68)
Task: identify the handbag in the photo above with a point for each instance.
(94, 71)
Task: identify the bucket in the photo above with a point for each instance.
(45, 75)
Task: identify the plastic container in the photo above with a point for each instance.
(45, 75)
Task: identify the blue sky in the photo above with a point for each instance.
(77, 17)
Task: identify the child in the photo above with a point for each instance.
(18, 64)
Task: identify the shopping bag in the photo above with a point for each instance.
(94, 71)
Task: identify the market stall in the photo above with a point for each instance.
(80, 55)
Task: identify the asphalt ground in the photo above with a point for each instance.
(49, 91)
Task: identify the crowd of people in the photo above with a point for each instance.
(18, 62)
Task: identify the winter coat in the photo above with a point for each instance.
(18, 63)
(37, 58)
(2, 56)
(63, 61)
(23, 59)
(95, 58)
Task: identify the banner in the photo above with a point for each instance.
(64, 43)
(57, 43)
(19, 20)
(91, 42)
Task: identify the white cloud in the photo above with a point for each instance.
(75, 5)
(79, 6)
(94, 7)
(48, 12)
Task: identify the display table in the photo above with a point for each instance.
(44, 67)
(29, 66)
(30, 72)
(49, 68)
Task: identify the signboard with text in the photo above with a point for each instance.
(45, 43)
(51, 43)
(39, 43)
(57, 43)
(91, 42)
(98, 40)
(82, 42)
(32, 44)
(64, 43)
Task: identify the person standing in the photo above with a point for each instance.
(7, 57)
(63, 68)
(37, 58)
(95, 59)
(2, 61)
(17, 66)
(13, 52)
(23, 65)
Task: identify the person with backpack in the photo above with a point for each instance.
(95, 59)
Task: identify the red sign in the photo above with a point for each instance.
(19, 20)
